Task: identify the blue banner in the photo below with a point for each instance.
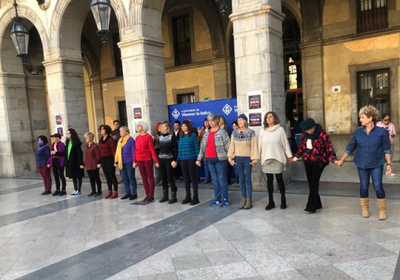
(198, 111)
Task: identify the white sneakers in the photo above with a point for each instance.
(76, 192)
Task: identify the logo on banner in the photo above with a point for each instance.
(227, 109)
(175, 114)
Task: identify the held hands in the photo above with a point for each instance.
(232, 162)
(115, 165)
(339, 163)
(98, 166)
(134, 165)
(53, 152)
(81, 166)
(48, 166)
(290, 160)
(198, 163)
(174, 164)
(157, 165)
(388, 170)
(253, 163)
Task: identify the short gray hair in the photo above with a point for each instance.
(213, 117)
(144, 125)
(125, 128)
(90, 135)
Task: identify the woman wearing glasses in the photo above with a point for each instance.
(389, 126)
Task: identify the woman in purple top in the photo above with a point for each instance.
(124, 161)
(57, 151)
(42, 155)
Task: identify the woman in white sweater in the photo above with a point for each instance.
(274, 153)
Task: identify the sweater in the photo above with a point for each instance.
(188, 147)
(168, 146)
(144, 148)
(106, 147)
(273, 144)
(244, 144)
(221, 143)
(128, 151)
(42, 155)
(91, 156)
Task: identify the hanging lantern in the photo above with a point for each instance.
(101, 10)
(223, 6)
(20, 36)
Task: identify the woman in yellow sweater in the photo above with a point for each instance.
(275, 153)
(243, 154)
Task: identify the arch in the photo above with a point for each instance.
(63, 11)
(25, 13)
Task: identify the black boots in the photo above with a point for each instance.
(195, 200)
(270, 205)
(165, 197)
(173, 198)
(187, 200)
(283, 202)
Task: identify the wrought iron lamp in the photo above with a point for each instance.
(101, 10)
(20, 36)
(223, 6)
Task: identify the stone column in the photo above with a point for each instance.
(313, 81)
(259, 54)
(97, 97)
(67, 96)
(144, 79)
(258, 44)
(16, 151)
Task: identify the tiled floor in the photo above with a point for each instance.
(45, 237)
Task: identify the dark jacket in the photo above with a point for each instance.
(74, 161)
(42, 156)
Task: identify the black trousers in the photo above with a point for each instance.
(77, 183)
(107, 163)
(313, 173)
(95, 179)
(189, 170)
(270, 185)
(167, 174)
(58, 172)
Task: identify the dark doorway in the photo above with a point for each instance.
(123, 117)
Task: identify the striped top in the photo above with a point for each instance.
(188, 147)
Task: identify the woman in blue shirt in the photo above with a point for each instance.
(373, 150)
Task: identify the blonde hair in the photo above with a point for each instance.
(369, 111)
(168, 125)
(90, 135)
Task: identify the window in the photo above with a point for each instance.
(371, 15)
(181, 35)
(374, 89)
(123, 117)
(117, 56)
(186, 98)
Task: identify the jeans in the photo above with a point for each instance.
(376, 174)
(146, 171)
(243, 169)
(95, 179)
(189, 170)
(313, 173)
(237, 180)
(128, 175)
(218, 170)
(207, 174)
(297, 138)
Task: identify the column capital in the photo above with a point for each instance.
(61, 60)
(140, 40)
(256, 11)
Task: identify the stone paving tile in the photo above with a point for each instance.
(235, 271)
(325, 272)
(204, 273)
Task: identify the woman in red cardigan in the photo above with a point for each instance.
(143, 158)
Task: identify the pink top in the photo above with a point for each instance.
(390, 128)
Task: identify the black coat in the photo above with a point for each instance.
(75, 161)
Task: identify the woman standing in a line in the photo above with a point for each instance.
(201, 132)
(167, 159)
(91, 162)
(243, 155)
(156, 143)
(236, 184)
(214, 147)
(74, 160)
(275, 153)
(143, 158)
(316, 149)
(57, 161)
(188, 149)
(106, 158)
(42, 155)
(373, 151)
(124, 161)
